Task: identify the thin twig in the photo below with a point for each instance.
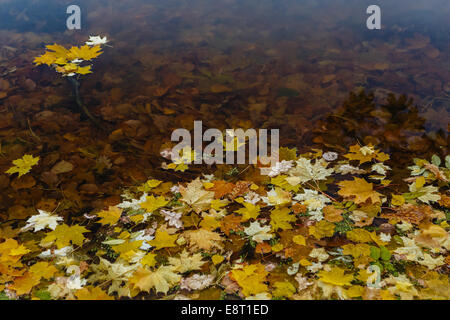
(81, 105)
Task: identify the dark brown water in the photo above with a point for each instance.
(319, 50)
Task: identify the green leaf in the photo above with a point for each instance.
(389, 267)
(385, 254)
(43, 294)
(436, 160)
(375, 253)
(3, 296)
(447, 162)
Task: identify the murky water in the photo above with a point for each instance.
(262, 64)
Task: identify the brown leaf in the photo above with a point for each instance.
(222, 188)
(410, 213)
(242, 187)
(62, 167)
(24, 182)
(231, 222)
(332, 214)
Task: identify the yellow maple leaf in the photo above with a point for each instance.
(43, 270)
(365, 154)
(280, 218)
(218, 204)
(209, 223)
(110, 216)
(136, 218)
(11, 252)
(163, 240)
(70, 67)
(362, 235)
(358, 190)
(203, 239)
(283, 289)
(151, 203)
(149, 260)
(251, 279)
(67, 61)
(382, 156)
(47, 58)
(336, 276)
(83, 70)
(84, 53)
(128, 249)
(356, 250)
(149, 184)
(92, 293)
(280, 181)
(250, 211)
(195, 196)
(161, 280)
(186, 262)
(322, 229)
(23, 166)
(58, 50)
(64, 235)
(362, 154)
(24, 284)
(355, 291)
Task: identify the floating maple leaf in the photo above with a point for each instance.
(304, 171)
(163, 240)
(365, 154)
(161, 280)
(359, 190)
(63, 235)
(151, 203)
(110, 216)
(251, 279)
(336, 276)
(203, 239)
(92, 293)
(186, 262)
(195, 196)
(96, 40)
(41, 221)
(68, 61)
(281, 218)
(250, 211)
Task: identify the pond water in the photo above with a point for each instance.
(232, 64)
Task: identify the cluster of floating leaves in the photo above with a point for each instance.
(68, 61)
(319, 226)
